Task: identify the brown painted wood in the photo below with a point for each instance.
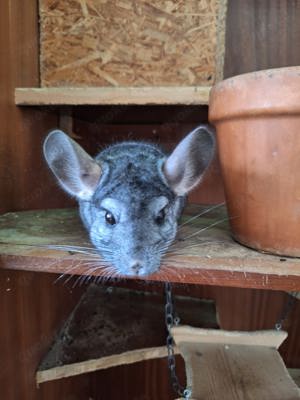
(24, 180)
(31, 309)
(261, 34)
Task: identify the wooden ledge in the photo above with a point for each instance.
(203, 256)
(166, 95)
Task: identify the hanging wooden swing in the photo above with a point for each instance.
(223, 365)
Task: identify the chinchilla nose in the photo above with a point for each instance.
(136, 267)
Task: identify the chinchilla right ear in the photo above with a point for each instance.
(75, 170)
(186, 165)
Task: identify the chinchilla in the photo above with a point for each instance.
(131, 194)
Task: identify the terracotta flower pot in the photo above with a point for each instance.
(257, 117)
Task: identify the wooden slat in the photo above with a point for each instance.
(209, 257)
(269, 338)
(189, 95)
(295, 374)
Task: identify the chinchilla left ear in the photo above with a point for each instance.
(186, 165)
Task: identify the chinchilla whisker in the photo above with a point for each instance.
(200, 214)
(178, 274)
(73, 275)
(208, 227)
(164, 274)
(76, 249)
(82, 278)
(92, 256)
(67, 246)
(65, 273)
(183, 251)
(108, 273)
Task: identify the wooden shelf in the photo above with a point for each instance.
(210, 257)
(167, 95)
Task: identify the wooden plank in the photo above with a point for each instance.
(295, 374)
(30, 305)
(203, 255)
(235, 365)
(237, 372)
(93, 365)
(111, 327)
(189, 95)
(269, 338)
(265, 29)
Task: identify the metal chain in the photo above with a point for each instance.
(172, 320)
(285, 312)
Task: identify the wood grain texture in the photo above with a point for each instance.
(204, 253)
(261, 34)
(193, 335)
(91, 338)
(31, 310)
(189, 95)
(235, 366)
(24, 180)
(270, 42)
(121, 43)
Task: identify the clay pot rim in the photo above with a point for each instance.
(261, 93)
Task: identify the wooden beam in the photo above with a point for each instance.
(164, 95)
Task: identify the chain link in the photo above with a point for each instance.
(172, 320)
(285, 312)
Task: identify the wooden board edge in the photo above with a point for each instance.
(164, 95)
(221, 33)
(268, 338)
(193, 276)
(295, 375)
(84, 367)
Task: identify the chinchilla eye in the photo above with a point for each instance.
(160, 218)
(109, 218)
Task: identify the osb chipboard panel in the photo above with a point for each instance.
(131, 42)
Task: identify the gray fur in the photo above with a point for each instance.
(137, 184)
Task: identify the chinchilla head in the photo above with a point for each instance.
(132, 194)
